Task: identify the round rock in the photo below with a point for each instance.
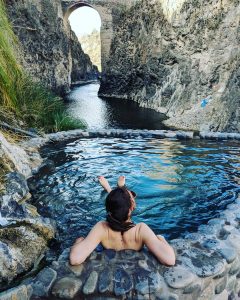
(77, 270)
(178, 277)
(66, 288)
(43, 282)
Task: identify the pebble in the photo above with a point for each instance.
(194, 289)
(66, 288)
(21, 292)
(156, 282)
(234, 241)
(141, 277)
(234, 268)
(228, 253)
(221, 285)
(105, 281)
(182, 243)
(211, 244)
(109, 254)
(233, 206)
(143, 264)
(43, 282)
(91, 283)
(120, 133)
(64, 256)
(231, 283)
(128, 254)
(219, 135)
(216, 221)
(122, 282)
(208, 292)
(222, 296)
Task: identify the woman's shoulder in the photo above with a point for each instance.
(100, 228)
(142, 225)
(143, 229)
(102, 224)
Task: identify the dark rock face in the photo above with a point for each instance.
(24, 234)
(81, 71)
(50, 51)
(171, 59)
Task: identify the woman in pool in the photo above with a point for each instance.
(118, 232)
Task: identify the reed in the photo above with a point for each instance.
(21, 97)
(10, 71)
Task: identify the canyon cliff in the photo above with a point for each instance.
(181, 58)
(49, 50)
(91, 44)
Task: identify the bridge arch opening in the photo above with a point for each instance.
(85, 21)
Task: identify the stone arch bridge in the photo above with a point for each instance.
(105, 8)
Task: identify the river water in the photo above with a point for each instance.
(99, 113)
(180, 184)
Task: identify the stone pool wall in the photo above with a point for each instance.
(127, 133)
(207, 267)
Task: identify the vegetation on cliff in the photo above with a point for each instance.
(21, 98)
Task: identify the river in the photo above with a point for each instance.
(98, 113)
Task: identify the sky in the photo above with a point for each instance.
(84, 20)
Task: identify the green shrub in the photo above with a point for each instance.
(40, 108)
(64, 122)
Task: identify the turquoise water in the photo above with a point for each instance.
(180, 184)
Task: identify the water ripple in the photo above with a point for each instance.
(180, 184)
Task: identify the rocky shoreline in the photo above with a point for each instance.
(208, 262)
(24, 234)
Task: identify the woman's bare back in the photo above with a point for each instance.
(130, 239)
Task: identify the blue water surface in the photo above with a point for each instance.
(180, 184)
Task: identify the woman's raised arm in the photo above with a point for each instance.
(82, 249)
(158, 246)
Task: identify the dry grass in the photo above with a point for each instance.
(13, 137)
(6, 166)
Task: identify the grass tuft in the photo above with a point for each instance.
(64, 122)
(22, 100)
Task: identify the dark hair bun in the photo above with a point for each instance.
(118, 203)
